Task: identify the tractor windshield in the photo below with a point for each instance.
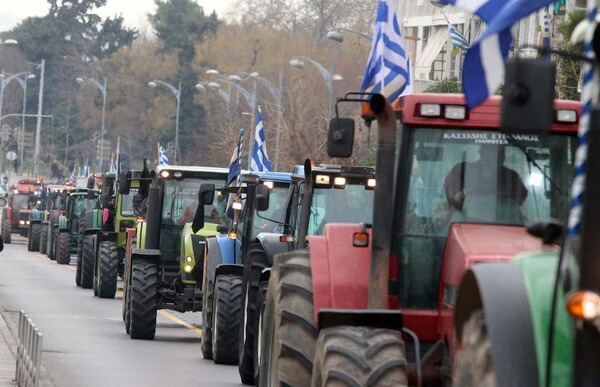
(83, 204)
(351, 203)
(181, 201)
(127, 203)
(20, 201)
(272, 219)
(472, 176)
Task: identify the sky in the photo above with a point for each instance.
(133, 11)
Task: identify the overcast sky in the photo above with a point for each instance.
(133, 11)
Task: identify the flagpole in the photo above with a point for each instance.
(158, 153)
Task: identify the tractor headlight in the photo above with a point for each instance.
(187, 268)
(189, 259)
(21, 222)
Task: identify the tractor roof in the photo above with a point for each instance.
(174, 168)
(340, 170)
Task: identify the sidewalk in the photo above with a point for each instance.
(8, 362)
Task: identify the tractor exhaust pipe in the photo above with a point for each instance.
(383, 201)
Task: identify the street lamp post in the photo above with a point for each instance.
(38, 129)
(339, 36)
(23, 83)
(177, 93)
(328, 76)
(102, 88)
(214, 87)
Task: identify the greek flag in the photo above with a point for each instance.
(162, 159)
(458, 39)
(113, 166)
(484, 65)
(235, 173)
(86, 169)
(260, 159)
(387, 70)
(72, 178)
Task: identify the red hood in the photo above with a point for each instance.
(471, 243)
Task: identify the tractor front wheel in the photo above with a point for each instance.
(290, 334)
(35, 230)
(108, 262)
(207, 317)
(144, 290)
(6, 230)
(87, 262)
(63, 248)
(360, 356)
(474, 365)
(226, 319)
(258, 326)
(44, 239)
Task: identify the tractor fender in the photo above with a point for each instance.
(104, 236)
(212, 259)
(272, 245)
(225, 269)
(346, 287)
(147, 254)
(63, 223)
(499, 290)
(265, 275)
(226, 245)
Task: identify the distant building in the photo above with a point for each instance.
(427, 34)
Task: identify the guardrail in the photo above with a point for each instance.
(29, 352)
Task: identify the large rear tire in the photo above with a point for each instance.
(107, 272)
(226, 319)
(290, 333)
(360, 356)
(80, 250)
(6, 230)
(87, 262)
(256, 261)
(144, 289)
(34, 236)
(63, 248)
(127, 285)
(474, 366)
(44, 239)
(53, 239)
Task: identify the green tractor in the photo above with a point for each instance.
(103, 246)
(39, 215)
(66, 231)
(165, 262)
(53, 201)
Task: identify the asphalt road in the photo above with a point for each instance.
(85, 343)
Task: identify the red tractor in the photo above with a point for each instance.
(20, 200)
(373, 304)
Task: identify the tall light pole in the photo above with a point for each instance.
(339, 36)
(23, 83)
(328, 76)
(177, 93)
(38, 129)
(102, 88)
(214, 87)
(277, 93)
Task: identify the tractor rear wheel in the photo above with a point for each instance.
(127, 285)
(474, 365)
(360, 356)
(63, 248)
(261, 298)
(108, 262)
(44, 239)
(6, 230)
(144, 290)
(207, 317)
(87, 262)
(290, 334)
(226, 319)
(80, 250)
(53, 238)
(34, 236)
(256, 261)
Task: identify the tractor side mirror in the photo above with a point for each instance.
(206, 195)
(91, 182)
(528, 102)
(124, 183)
(340, 138)
(262, 197)
(3, 202)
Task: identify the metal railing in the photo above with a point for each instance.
(29, 352)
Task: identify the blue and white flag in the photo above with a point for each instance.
(484, 65)
(387, 70)
(234, 178)
(113, 166)
(546, 28)
(260, 159)
(162, 156)
(72, 178)
(86, 169)
(458, 39)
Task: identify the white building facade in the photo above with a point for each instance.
(427, 38)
